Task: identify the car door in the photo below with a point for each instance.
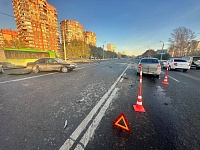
(52, 64)
(41, 64)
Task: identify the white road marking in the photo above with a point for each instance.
(174, 79)
(27, 78)
(121, 80)
(90, 131)
(73, 137)
(186, 75)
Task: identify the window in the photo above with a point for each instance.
(180, 60)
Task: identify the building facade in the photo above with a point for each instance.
(90, 38)
(37, 24)
(111, 47)
(6, 35)
(71, 30)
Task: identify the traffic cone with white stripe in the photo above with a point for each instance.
(166, 78)
(138, 107)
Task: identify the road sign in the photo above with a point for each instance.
(124, 123)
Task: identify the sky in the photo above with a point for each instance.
(133, 26)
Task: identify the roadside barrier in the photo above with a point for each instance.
(166, 77)
(138, 107)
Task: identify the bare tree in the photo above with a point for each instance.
(180, 39)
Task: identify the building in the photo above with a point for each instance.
(37, 24)
(90, 38)
(71, 30)
(111, 47)
(6, 35)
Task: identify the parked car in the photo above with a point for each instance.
(165, 64)
(179, 63)
(50, 64)
(149, 66)
(193, 60)
(1, 68)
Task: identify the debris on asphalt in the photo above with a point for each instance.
(79, 101)
(65, 124)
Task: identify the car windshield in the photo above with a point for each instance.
(149, 61)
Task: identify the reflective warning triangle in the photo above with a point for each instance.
(125, 125)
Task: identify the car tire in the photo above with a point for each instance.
(197, 68)
(184, 70)
(36, 69)
(64, 70)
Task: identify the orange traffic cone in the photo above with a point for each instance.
(165, 80)
(138, 107)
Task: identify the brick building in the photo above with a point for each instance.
(37, 24)
(90, 38)
(7, 35)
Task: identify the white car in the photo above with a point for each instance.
(165, 64)
(179, 63)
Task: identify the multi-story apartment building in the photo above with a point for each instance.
(37, 24)
(7, 35)
(90, 38)
(111, 47)
(71, 30)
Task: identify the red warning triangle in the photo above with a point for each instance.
(125, 125)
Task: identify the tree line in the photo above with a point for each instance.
(80, 50)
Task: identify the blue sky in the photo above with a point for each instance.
(132, 26)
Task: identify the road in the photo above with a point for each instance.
(35, 107)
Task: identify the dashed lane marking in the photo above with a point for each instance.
(174, 79)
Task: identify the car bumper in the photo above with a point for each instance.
(157, 72)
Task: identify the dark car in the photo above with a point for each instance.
(50, 64)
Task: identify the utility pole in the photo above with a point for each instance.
(161, 51)
(103, 48)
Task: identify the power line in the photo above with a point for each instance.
(6, 14)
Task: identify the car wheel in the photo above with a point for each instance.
(184, 70)
(64, 70)
(197, 68)
(36, 69)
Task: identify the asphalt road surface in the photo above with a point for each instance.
(35, 107)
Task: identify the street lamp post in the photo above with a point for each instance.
(103, 49)
(64, 43)
(161, 51)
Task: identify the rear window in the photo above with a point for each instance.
(180, 60)
(149, 61)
